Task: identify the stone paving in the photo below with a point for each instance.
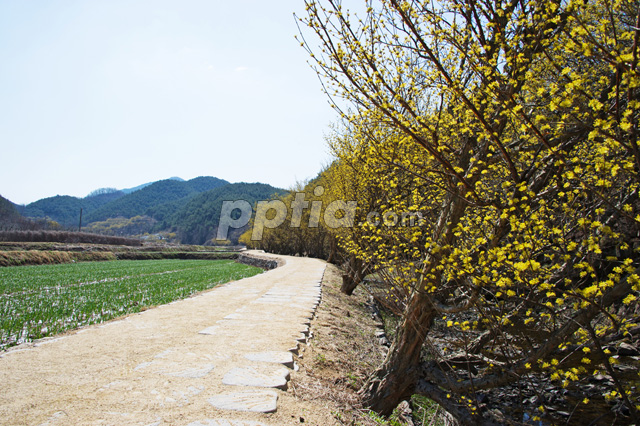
(230, 349)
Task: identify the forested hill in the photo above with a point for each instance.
(187, 210)
(159, 193)
(197, 220)
(105, 203)
(65, 209)
(7, 210)
(139, 187)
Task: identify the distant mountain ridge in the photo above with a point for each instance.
(154, 195)
(65, 209)
(144, 185)
(189, 209)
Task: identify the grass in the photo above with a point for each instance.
(66, 254)
(425, 413)
(21, 257)
(43, 300)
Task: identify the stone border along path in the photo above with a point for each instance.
(222, 358)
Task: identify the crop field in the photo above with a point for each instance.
(43, 300)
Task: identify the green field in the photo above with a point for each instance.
(39, 301)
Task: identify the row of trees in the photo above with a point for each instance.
(511, 128)
(136, 225)
(317, 219)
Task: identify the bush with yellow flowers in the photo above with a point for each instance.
(510, 128)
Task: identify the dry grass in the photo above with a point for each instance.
(18, 258)
(66, 237)
(39, 253)
(341, 354)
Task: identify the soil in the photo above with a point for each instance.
(348, 345)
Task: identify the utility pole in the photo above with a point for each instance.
(80, 222)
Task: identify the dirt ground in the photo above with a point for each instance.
(342, 354)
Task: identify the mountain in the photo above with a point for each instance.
(65, 209)
(144, 185)
(196, 221)
(190, 209)
(8, 211)
(12, 220)
(144, 200)
(107, 203)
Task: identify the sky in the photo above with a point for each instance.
(117, 93)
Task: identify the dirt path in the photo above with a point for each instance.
(219, 358)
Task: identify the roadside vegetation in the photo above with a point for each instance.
(40, 301)
(509, 132)
(66, 237)
(349, 342)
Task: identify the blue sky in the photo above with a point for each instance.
(121, 92)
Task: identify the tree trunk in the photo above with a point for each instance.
(333, 248)
(396, 379)
(349, 284)
(353, 276)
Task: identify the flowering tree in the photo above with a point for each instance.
(511, 127)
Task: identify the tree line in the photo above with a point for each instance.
(511, 127)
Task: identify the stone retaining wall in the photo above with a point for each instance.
(267, 263)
